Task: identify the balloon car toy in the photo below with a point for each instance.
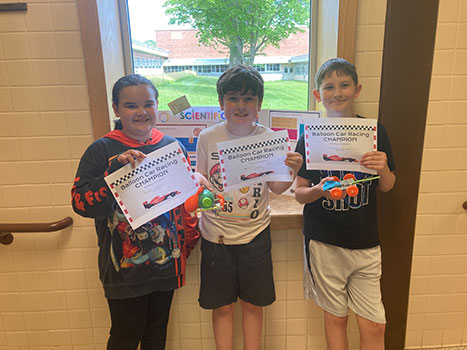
(348, 184)
(204, 200)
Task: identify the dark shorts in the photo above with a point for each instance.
(240, 271)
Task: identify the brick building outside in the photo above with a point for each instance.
(184, 53)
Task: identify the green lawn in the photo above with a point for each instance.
(201, 91)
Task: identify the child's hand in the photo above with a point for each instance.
(327, 194)
(131, 156)
(375, 160)
(294, 161)
(202, 180)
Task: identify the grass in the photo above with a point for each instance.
(201, 91)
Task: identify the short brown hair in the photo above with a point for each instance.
(241, 78)
(338, 65)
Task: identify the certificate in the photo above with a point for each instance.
(254, 159)
(162, 181)
(339, 143)
(292, 121)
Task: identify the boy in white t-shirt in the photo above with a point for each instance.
(236, 245)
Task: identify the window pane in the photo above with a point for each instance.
(184, 60)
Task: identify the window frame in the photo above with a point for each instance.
(92, 31)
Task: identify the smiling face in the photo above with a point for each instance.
(337, 93)
(137, 109)
(241, 111)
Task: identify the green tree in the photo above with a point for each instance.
(242, 27)
(150, 43)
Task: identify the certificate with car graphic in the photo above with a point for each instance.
(162, 181)
(254, 159)
(339, 143)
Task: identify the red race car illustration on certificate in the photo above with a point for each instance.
(255, 175)
(159, 199)
(336, 158)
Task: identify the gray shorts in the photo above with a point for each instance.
(343, 278)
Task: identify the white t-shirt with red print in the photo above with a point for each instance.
(246, 212)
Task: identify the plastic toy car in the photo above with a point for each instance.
(347, 184)
(254, 175)
(337, 158)
(204, 200)
(158, 199)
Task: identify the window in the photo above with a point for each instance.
(273, 67)
(260, 67)
(174, 58)
(344, 24)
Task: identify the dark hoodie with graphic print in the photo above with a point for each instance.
(131, 262)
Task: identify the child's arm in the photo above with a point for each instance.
(202, 180)
(201, 173)
(91, 196)
(190, 224)
(378, 161)
(306, 192)
(294, 161)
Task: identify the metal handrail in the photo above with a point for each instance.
(6, 230)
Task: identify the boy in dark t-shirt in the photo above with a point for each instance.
(341, 236)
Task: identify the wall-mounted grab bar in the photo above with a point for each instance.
(16, 6)
(6, 230)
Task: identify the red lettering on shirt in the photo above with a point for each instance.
(78, 203)
(100, 194)
(103, 192)
(89, 197)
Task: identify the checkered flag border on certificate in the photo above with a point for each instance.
(341, 127)
(146, 166)
(255, 145)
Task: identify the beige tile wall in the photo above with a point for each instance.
(50, 294)
(438, 292)
(371, 18)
